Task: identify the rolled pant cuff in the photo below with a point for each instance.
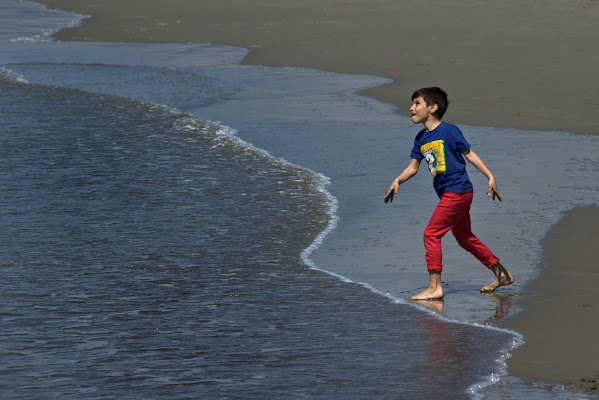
(435, 268)
(489, 264)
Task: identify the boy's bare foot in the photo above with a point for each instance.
(502, 278)
(429, 294)
(434, 291)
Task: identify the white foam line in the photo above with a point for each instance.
(473, 390)
(67, 20)
(13, 76)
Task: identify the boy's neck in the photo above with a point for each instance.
(431, 123)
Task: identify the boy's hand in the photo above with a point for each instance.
(405, 176)
(493, 190)
(391, 192)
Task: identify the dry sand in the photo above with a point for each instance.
(522, 64)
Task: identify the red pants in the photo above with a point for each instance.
(453, 213)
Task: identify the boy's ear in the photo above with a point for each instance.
(434, 108)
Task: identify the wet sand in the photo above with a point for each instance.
(519, 64)
(562, 309)
(511, 64)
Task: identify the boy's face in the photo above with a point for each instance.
(421, 112)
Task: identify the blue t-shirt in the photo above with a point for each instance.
(442, 150)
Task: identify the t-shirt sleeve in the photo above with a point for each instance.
(416, 153)
(461, 143)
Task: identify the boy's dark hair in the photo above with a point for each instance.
(433, 95)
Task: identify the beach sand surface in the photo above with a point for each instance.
(562, 309)
(521, 64)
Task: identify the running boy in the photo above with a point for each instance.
(444, 148)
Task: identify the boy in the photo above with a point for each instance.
(444, 148)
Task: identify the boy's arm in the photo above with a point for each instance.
(406, 175)
(475, 160)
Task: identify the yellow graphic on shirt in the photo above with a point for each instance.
(435, 157)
